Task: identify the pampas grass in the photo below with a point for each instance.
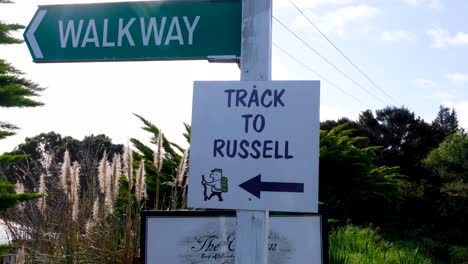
(74, 189)
(140, 188)
(41, 202)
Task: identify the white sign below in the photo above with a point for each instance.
(255, 145)
(212, 239)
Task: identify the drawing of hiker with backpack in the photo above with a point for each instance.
(218, 184)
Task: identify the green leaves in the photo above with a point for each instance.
(159, 182)
(9, 199)
(350, 184)
(15, 91)
(5, 36)
(450, 159)
(11, 158)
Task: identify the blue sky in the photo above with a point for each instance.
(414, 50)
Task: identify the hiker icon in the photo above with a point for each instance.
(218, 184)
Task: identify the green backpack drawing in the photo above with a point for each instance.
(224, 184)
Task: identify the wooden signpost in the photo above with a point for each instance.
(255, 65)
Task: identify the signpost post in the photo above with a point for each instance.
(255, 64)
(152, 30)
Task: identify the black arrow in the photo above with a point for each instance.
(255, 186)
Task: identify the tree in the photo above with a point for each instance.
(330, 124)
(351, 186)
(450, 162)
(450, 159)
(405, 139)
(15, 91)
(8, 199)
(45, 152)
(446, 122)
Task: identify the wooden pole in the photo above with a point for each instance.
(255, 64)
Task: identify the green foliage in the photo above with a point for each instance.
(405, 139)
(15, 91)
(5, 29)
(352, 244)
(450, 163)
(450, 159)
(87, 152)
(122, 198)
(8, 199)
(350, 185)
(5, 249)
(170, 164)
(4, 134)
(446, 122)
(458, 255)
(188, 132)
(5, 158)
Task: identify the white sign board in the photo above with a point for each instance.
(211, 239)
(255, 145)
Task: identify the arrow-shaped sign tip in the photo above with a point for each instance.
(31, 38)
(253, 186)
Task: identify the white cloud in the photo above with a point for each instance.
(443, 39)
(457, 77)
(337, 22)
(425, 83)
(400, 35)
(433, 4)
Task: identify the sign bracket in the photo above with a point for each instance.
(223, 59)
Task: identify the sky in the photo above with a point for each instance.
(413, 53)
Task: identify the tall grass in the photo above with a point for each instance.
(352, 244)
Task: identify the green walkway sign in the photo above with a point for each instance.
(153, 30)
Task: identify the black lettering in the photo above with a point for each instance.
(243, 153)
(231, 242)
(231, 151)
(218, 147)
(229, 92)
(272, 247)
(241, 94)
(246, 125)
(277, 155)
(277, 98)
(266, 93)
(257, 152)
(253, 98)
(203, 243)
(259, 128)
(266, 148)
(286, 151)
